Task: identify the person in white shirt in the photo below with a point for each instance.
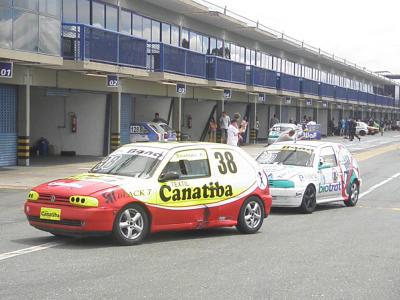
(233, 133)
(224, 122)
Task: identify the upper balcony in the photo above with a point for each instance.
(88, 43)
(288, 83)
(326, 90)
(170, 59)
(261, 77)
(309, 87)
(221, 69)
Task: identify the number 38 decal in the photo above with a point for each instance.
(226, 162)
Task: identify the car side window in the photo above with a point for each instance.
(189, 164)
(328, 156)
(344, 157)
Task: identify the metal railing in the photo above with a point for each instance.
(166, 58)
(326, 90)
(308, 86)
(222, 69)
(262, 77)
(85, 42)
(288, 82)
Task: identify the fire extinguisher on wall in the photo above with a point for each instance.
(189, 121)
(74, 123)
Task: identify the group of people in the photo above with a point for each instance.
(233, 131)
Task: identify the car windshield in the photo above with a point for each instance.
(287, 155)
(127, 164)
(165, 127)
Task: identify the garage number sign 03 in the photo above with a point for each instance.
(181, 88)
(227, 94)
(6, 69)
(112, 81)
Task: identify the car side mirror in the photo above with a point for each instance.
(168, 176)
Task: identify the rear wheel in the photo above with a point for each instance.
(131, 225)
(353, 195)
(251, 216)
(362, 133)
(309, 201)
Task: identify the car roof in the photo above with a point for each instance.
(284, 124)
(310, 144)
(174, 145)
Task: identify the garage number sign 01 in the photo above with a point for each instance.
(261, 98)
(6, 69)
(181, 88)
(112, 81)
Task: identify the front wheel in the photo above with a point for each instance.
(362, 133)
(353, 196)
(251, 216)
(131, 225)
(309, 202)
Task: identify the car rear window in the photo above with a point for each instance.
(287, 155)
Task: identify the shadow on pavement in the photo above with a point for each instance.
(296, 210)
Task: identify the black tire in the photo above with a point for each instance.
(251, 216)
(362, 133)
(353, 194)
(309, 202)
(135, 229)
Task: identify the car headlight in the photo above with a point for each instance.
(33, 196)
(281, 184)
(84, 201)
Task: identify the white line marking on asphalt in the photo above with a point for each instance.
(396, 136)
(373, 188)
(29, 250)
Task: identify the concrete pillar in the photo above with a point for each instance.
(115, 120)
(24, 105)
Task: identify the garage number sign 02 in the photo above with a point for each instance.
(112, 81)
(6, 69)
(227, 94)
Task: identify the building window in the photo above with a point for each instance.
(229, 50)
(166, 33)
(174, 35)
(126, 22)
(146, 29)
(137, 25)
(111, 18)
(84, 11)
(155, 31)
(185, 39)
(192, 41)
(69, 11)
(98, 15)
(6, 27)
(28, 4)
(49, 38)
(25, 31)
(51, 7)
(205, 43)
(199, 43)
(220, 47)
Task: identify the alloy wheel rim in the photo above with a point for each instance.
(309, 196)
(131, 223)
(252, 214)
(354, 193)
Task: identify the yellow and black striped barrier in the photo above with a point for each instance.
(218, 136)
(23, 150)
(253, 136)
(178, 136)
(115, 141)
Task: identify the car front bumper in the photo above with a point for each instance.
(286, 197)
(73, 220)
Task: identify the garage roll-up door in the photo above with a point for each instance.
(8, 126)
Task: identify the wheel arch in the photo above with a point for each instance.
(141, 204)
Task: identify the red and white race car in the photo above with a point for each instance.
(142, 188)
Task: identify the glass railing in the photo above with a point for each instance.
(221, 69)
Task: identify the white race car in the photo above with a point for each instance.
(305, 174)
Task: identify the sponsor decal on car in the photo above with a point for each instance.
(326, 188)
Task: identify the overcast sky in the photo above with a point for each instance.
(364, 32)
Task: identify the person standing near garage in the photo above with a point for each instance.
(234, 133)
(224, 122)
(213, 130)
(352, 130)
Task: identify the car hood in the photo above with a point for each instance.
(282, 172)
(86, 184)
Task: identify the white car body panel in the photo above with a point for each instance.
(328, 182)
